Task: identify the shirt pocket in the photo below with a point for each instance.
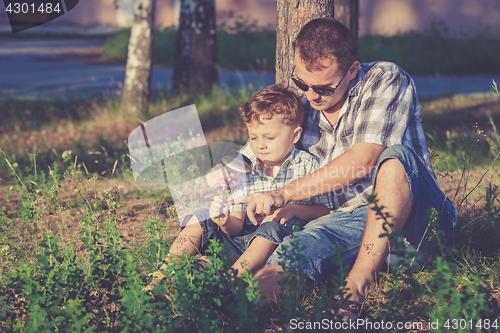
(346, 140)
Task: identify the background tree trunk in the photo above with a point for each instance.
(135, 96)
(347, 12)
(195, 56)
(292, 15)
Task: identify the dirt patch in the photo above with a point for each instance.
(81, 202)
(463, 114)
(65, 134)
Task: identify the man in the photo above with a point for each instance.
(363, 123)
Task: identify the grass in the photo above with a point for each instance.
(244, 46)
(77, 237)
(435, 52)
(462, 127)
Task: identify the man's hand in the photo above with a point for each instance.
(219, 211)
(261, 204)
(281, 215)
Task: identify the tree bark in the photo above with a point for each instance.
(195, 57)
(292, 15)
(135, 96)
(347, 12)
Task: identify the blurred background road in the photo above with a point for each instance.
(47, 67)
(40, 68)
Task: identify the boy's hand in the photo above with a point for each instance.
(261, 203)
(281, 215)
(219, 210)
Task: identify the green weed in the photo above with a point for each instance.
(93, 278)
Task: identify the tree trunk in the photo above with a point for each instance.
(196, 47)
(292, 15)
(347, 12)
(135, 96)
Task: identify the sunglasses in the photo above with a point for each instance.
(320, 90)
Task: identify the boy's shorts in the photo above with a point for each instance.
(236, 245)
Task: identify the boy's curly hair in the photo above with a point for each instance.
(274, 100)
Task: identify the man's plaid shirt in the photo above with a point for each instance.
(298, 164)
(381, 108)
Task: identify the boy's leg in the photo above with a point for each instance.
(188, 240)
(198, 231)
(262, 243)
(255, 256)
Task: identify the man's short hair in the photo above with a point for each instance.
(322, 38)
(274, 100)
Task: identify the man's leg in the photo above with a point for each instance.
(319, 239)
(392, 192)
(268, 278)
(406, 189)
(400, 175)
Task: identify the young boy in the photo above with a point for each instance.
(273, 117)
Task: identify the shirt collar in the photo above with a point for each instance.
(355, 85)
(292, 158)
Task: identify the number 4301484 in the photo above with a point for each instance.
(463, 324)
(26, 8)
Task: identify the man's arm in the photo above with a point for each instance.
(302, 212)
(347, 168)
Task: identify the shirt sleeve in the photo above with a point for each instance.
(384, 107)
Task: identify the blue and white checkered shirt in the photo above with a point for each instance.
(381, 108)
(298, 164)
